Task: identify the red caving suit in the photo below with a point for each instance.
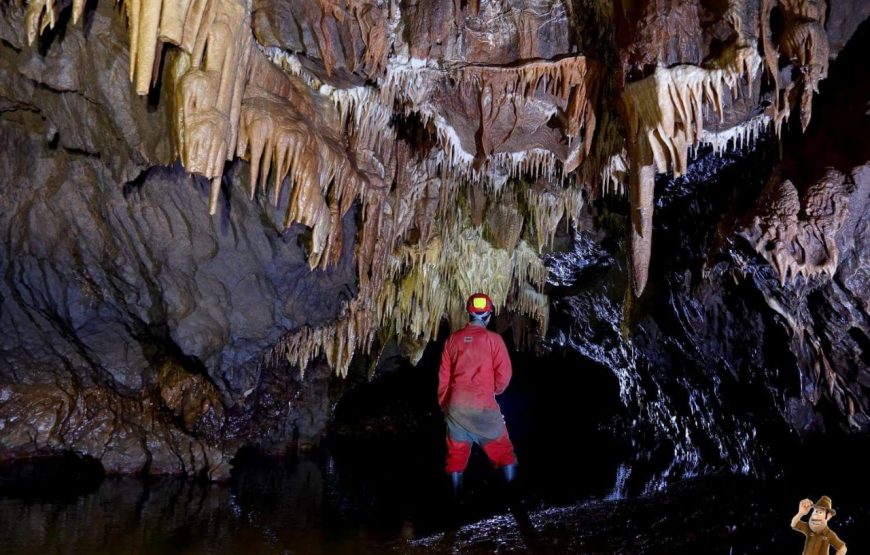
(475, 367)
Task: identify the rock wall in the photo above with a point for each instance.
(135, 326)
(810, 226)
(159, 312)
(753, 333)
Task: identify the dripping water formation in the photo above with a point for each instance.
(236, 235)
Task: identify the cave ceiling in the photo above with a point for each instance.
(457, 125)
(464, 131)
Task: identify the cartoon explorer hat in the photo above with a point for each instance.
(825, 503)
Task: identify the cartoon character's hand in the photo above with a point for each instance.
(805, 507)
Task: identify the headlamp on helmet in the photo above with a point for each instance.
(479, 304)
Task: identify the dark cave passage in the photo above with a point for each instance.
(387, 436)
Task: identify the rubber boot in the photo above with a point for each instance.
(455, 516)
(509, 471)
(509, 489)
(456, 479)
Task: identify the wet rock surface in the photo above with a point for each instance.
(811, 226)
(136, 327)
(726, 357)
(699, 397)
(713, 515)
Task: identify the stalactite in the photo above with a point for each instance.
(573, 80)
(504, 222)
(770, 56)
(573, 201)
(668, 107)
(606, 171)
(412, 286)
(528, 267)
(374, 34)
(273, 127)
(804, 42)
(420, 247)
(570, 83)
(352, 17)
(532, 303)
(210, 88)
(641, 190)
(664, 114)
(546, 208)
(289, 131)
(42, 15)
(209, 94)
(234, 101)
(737, 137)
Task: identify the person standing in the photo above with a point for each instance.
(475, 367)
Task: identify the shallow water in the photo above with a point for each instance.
(378, 487)
(333, 504)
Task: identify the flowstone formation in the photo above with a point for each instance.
(502, 103)
(233, 96)
(810, 225)
(412, 152)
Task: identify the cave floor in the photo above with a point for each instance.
(319, 504)
(727, 515)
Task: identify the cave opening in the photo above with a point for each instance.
(561, 411)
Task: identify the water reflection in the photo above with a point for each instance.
(324, 505)
(276, 508)
(366, 500)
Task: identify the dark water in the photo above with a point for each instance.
(378, 487)
(321, 504)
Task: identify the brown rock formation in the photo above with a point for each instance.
(458, 134)
(810, 225)
(797, 234)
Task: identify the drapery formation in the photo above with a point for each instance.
(504, 149)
